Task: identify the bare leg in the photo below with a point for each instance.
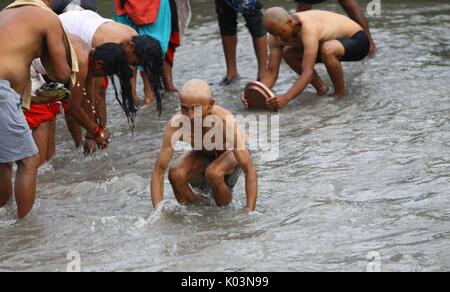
(229, 48)
(168, 77)
(260, 45)
(187, 167)
(215, 175)
(293, 57)
(25, 186)
(331, 52)
(40, 136)
(6, 188)
(51, 142)
(74, 129)
(148, 91)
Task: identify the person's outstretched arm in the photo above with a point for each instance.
(157, 183)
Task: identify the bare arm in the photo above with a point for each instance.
(100, 102)
(251, 177)
(276, 53)
(56, 49)
(356, 13)
(77, 100)
(157, 183)
(242, 156)
(311, 50)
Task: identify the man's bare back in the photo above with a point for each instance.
(112, 32)
(22, 40)
(325, 25)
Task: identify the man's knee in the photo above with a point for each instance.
(6, 167)
(177, 176)
(30, 163)
(327, 52)
(213, 175)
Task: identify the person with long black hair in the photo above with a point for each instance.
(107, 60)
(158, 20)
(144, 51)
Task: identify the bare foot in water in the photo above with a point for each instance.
(337, 95)
(322, 90)
(229, 80)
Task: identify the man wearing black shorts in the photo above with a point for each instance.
(353, 10)
(306, 38)
(227, 13)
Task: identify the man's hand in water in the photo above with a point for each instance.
(89, 146)
(277, 102)
(103, 139)
(373, 49)
(244, 101)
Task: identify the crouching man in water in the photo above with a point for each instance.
(306, 38)
(217, 165)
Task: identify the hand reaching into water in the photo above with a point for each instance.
(89, 146)
(244, 101)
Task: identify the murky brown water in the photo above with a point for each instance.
(370, 173)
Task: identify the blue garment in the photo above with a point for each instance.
(159, 30)
(16, 142)
(242, 6)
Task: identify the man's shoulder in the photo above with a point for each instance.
(222, 112)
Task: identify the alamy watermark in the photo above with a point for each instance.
(374, 8)
(374, 264)
(74, 262)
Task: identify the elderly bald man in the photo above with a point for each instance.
(306, 38)
(220, 151)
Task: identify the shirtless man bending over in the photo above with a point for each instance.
(23, 39)
(211, 164)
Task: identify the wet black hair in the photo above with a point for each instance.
(115, 63)
(150, 55)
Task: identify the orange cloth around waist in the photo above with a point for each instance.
(141, 12)
(40, 113)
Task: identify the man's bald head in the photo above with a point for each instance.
(275, 17)
(196, 92)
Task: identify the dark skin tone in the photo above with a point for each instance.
(22, 40)
(81, 99)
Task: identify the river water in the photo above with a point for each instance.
(360, 183)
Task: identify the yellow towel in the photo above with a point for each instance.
(70, 52)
